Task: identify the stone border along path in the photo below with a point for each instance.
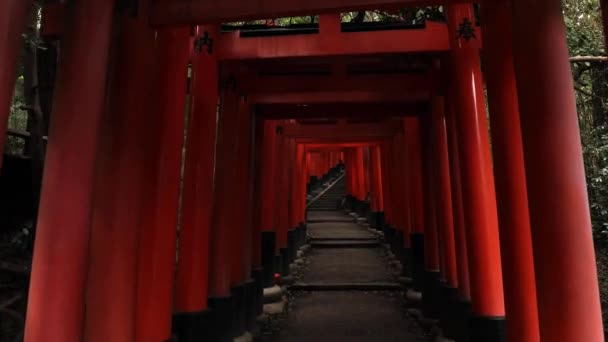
(346, 289)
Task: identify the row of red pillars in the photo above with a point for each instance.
(104, 265)
(502, 231)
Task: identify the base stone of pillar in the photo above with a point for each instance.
(431, 294)
(191, 326)
(239, 318)
(277, 266)
(291, 245)
(258, 292)
(406, 257)
(462, 313)
(268, 257)
(284, 262)
(221, 327)
(251, 310)
(417, 261)
(449, 311)
(484, 328)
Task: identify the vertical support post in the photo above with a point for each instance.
(125, 154)
(487, 323)
(432, 262)
(13, 14)
(242, 284)
(159, 223)
(60, 263)
(223, 219)
(191, 320)
(462, 309)
(268, 194)
(282, 201)
(564, 257)
(445, 224)
(416, 198)
(509, 170)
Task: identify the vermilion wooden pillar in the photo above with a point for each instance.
(126, 152)
(224, 222)
(464, 290)
(564, 258)
(366, 170)
(159, 225)
(270, 248)
(360, 174)
(443, 192)
(282, 200)
(387, 182)
(192, 276)
(13, 14)
(509, 170)
(377, 214)
(413, 150)
(487, 323)
(244, 287)
(60, 263)
(432, 262)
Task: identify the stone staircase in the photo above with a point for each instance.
(329, 200)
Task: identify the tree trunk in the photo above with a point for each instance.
(32, 105)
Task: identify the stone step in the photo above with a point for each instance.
(300, 286)
(345, 244)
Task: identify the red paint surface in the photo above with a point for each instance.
(509, 170)
(157, 247)
(478, 191)
(61, 268)
(192, 279)
(568, 300)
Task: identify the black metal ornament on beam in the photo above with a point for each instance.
(466, 30)
(201, 42)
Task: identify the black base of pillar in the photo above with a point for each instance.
(461, 320)
(278, 265)
(291, 246)
(222, 319)
(398, 244)
(239, 318)
(381, 220)
(431, 295)
(251, 299)
(268, 257)
(192, 326)
(301, 235)
(487, 329)
(406, 257)
(373, 219)
(389, 235)
(258, 291)
(417, 261)
(449, 311)
(284, 261)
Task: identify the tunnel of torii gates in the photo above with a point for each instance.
(494, 233)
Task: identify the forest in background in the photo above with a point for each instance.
(28, 124)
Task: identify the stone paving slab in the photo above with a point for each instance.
(346, 265)
(328, 216)
(347, 316)
(338, 230)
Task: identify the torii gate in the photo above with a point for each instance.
(107, 239)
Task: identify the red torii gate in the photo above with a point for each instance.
(545, 156)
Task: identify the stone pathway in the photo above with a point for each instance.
(346, 291)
